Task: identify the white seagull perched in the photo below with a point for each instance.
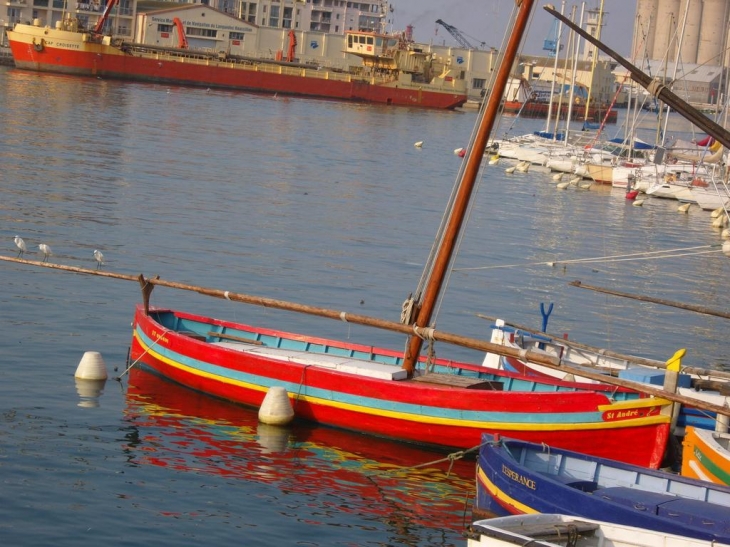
(46, 250)
(21, 245)
(99, 258)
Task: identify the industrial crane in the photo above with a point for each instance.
(458, 35)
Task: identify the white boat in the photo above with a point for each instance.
(711, 197)
(696, 386)
(553, 530)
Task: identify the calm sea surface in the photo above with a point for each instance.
(316, 202)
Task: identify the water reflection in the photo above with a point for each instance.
(317, 470)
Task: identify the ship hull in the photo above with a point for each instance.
(58, 51)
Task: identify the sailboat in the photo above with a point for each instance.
(406, 396)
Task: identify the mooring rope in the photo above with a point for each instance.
(126, 371)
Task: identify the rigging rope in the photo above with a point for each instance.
(650, 255)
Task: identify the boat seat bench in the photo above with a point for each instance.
(360, 367)
(349, 365)
(691, 511)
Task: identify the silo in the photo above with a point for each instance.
(666, 27)
(689, 30)
(712, 38)
(644, 27)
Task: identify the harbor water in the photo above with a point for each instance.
(316, 202)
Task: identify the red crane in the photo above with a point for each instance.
(182, 39)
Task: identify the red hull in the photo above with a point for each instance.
(109, 62)
(401, 409)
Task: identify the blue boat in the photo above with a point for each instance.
(517, 477)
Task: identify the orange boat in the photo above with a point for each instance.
(706, 455)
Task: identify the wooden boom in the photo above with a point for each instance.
(430, 334)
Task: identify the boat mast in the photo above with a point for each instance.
(594, 61)
(549, 117)
(424, 308)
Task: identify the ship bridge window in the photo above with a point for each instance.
(164, 28)
(236, 35)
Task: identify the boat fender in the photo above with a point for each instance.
(39, 46)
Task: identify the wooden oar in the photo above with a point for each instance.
(429, 334)
(706, 372)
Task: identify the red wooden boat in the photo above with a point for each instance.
(393, 394)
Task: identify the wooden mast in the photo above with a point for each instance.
(424, 309)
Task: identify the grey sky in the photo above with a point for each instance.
(485, 21)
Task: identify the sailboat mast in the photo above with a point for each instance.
(594, 60)
(424, 309)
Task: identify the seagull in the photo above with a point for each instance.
(46, 250)
(99, 258)
(21, 245)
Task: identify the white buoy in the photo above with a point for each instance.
(726, 248)
(719, 222)
(510, 170)
(523, 167)
(725, 234)
(418, 144)
(585, 185)
(637, 202)
(91, 367)
(684, 207)
(575, 180)
(276, 408)
(562, 185)
(494, 159)
(717, 212)
(557, 177)
(458, 151)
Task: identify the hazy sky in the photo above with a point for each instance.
(485, 21)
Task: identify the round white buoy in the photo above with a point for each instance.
(91, 367)
(726, 248)
(276, 408)
(684, 207)
(719, 222)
